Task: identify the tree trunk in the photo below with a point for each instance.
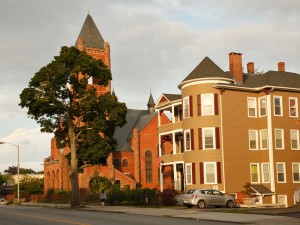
(75, 197)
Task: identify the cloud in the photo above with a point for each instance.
(33, 148)
(154, 45)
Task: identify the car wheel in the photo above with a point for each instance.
(189, 206)
(229, 204)
(201, 204)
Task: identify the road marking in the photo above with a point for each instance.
(48, 218)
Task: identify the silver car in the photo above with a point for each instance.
(207, 197)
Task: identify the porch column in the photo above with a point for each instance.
(161, 178)
(173, 143)
(173, 115)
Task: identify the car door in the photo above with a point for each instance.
(218, 197)
(206, 195)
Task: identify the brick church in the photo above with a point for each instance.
(135, 160)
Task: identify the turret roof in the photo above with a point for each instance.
(207, 69)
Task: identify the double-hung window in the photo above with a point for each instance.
(294, 139)
(187, 140)
(265, 172)
(253, 139)
(209, 138)
(263, 139)
(254, 172)
(188, 173)
(262, 104)
(210, 171)
(280, 172)
(293, 105)
(186, 107)
(279, 139)
(251, 106)
(296, 172)
(207, 101)
(277, 105)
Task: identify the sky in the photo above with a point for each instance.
(155, 44)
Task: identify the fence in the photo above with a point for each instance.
(132, 198)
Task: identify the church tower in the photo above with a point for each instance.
(91, 41)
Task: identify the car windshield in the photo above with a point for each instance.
(190, 191)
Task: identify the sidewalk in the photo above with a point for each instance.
(272, 218)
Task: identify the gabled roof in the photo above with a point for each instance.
(261, 189)
(167, 99)
(135, 118)
(172, 97)
(90, 34)
(207, 69)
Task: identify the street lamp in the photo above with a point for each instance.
(17, 146)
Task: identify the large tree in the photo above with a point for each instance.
(60, 99)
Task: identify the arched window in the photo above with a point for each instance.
(148, 157)
(116, 163)
(125, 163)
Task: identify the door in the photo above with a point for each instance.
(297, 196)
(282, 200)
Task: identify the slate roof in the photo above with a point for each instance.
(207, 68)
(135, 118)
(261, 189)
(90, 34)
(273, 78)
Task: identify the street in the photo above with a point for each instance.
(10, 215)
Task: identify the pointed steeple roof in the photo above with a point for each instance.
(151, 104)
(90, 34)
(206, 68)
(150, 101)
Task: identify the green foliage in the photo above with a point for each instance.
(98, 183)
(7, 179)
(14, 170)
(248, 191)
(168, 197)
(31, 185)
(125, 196)
(59, 99)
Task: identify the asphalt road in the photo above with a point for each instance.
(16, 215)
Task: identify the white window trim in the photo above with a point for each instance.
(186, 99)
(284, 171)
(185, 145)
(295, 163)
(258, 173)
(212, 104)
(256, 139)
(214, 137)
(280, 97)
(296, 103)
(282, 133)
(186, 173)
(297, 139)
(263, 173)
(215, 172)
(261, 139)
(255, 107)
(259, 114)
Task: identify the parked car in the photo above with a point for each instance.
(2, 199)
(207, 197)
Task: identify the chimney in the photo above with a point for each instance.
(250, 67)
(281, 67)
(235, 65)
